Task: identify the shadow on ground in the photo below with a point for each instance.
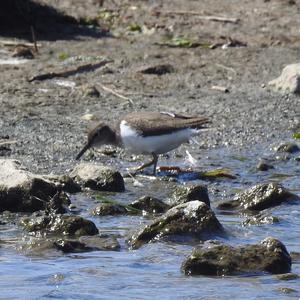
(18, 16)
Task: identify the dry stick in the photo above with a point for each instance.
(34, 39)
(200, 16)
(7, 142)
(78, 70)
(226, 68)
(17, 43)
(220, 88)
(115, 93)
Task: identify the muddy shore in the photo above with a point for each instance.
(45, 118)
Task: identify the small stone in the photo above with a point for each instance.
(186, 193)
(67, 225)
(263, 166)
(288, 147)
(70, 246)
(260, 197)
(97, 242)
(158, 69)
(261, 219)
(23, 51)
(109, 209)
(98, 177)
(288, 276)
(287, 290)
(150, 205)
(289, 80)
(91, 91)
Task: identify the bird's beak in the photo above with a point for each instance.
(86, 147)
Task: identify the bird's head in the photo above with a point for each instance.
(100, 135)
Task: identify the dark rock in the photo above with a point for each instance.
(91, 91)
(150, 205)
(158, 69)
(288, 276)
(64, 182)
(68, 246)
(263, 166)
(22, 191)
(186, 193)
(97, 242)
(193, 218)
(109, 209)
(23, 51)
(5, 150)
(98, 177)
(58, 203)
(260, 197)
(59, 224)
(215, 258)
(288, 147)
(261, 219)
(287, 290)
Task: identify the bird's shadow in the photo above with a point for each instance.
(18, 16)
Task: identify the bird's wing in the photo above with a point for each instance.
(156, 123)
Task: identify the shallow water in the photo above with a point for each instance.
(153, 271)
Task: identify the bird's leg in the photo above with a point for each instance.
(148, 164)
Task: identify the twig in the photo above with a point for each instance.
(7, 142)
(78, 70)
(16, 43)
(220, 88)
(227, 68)
(34, 39)
(201, 16)
(116, 93)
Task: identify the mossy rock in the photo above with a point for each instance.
(216, 258)
(260, 197)
(193, 218)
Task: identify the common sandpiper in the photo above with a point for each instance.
(151, 133)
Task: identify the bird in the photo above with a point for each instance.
(148, 133)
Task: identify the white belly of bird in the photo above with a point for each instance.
(157, 144)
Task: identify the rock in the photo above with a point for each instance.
(64, 182)
(22, 191)
(216, 258)
(289, 80)
(260, 197)
(193, 218)
(58, 203)
(109, 209)
(158, 69)
(97, 242)
(41, 246)
(263, 166)
(87, 243)
(23, 51)
(91, 91)
(186, 193)
(66, 225)
(69, 246)
(288, 147)
(261, 219)
(150, 205)
(287, 290)
(288, 276)
(98, 177)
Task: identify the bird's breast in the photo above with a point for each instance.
(158, 144)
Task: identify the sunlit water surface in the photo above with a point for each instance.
(153, 271)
